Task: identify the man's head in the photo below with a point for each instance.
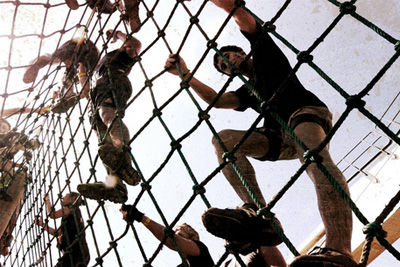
(186, 231)
(235, 56)
(4, 126)
(72, 199)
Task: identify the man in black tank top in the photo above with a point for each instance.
(268, 70)
(110, 97)
(187, 239)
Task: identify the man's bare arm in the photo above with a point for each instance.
(244, 20)
(207, 94)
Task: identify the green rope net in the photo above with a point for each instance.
(180, 177)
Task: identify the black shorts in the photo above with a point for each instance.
(111, 92)
(281, 144)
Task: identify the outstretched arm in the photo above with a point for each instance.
(227, 100)
(187, 246)
(244, 20)
(131, 44)
(23, 110)
(54, 214)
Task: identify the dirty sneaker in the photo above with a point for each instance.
(132, 14)
(72, 4)
(64, 104)
(99, 191)
(241, 225)
(115, 159)
(324, 257)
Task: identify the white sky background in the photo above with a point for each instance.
(351, 55)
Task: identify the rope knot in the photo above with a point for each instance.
(265, 213)
(145, 186)
(228, 157)
(148, 83)
(113, 244)
(157, 112)
(304, 57)
(374, 229)
(312, 156)
(150, 14)
(204, 115)
(175, 145)
(212, 44)
(194, 20)
(397, 46)
(126, 148)
(161, 33)
(354, 101)
(268, 26)
(240, 3)
(169, 232)
(198, 189)
(347, 8)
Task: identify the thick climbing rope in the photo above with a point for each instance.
(57, 163)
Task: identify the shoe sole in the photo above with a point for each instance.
(129, 175)
(124, 171)
(97, 193)
(232, 229)
(111, 157)
(132, 13)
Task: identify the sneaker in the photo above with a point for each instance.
(116, 160)
(324, 257)
(99, 191)
(132, 14)
(64, 104)
(31, 73)
(242, 225)
(72, 4)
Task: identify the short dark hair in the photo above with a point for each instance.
(227, 48)
(76, 199)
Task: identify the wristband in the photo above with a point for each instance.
(147, 221)
(82, 74)
(186, 75)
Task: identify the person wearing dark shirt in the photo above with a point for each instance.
(108, 97)
(268, 70)
(71, 240)
(187, 239)
(77, 55)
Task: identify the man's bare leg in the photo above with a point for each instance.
(335, 213)
(272, 257)
(256, 145)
